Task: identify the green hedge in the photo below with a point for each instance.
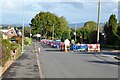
(109, 46)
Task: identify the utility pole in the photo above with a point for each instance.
(75, 32)
(98, 24)
(53, 33)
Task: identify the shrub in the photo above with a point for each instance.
(27, 41)
(6, 43)
(14, 46)
(18, 51)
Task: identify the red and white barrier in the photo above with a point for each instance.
(93, 47)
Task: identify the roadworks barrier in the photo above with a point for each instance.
(93, 47)
(76, 47)
(83, 47)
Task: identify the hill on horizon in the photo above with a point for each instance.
(79, 25)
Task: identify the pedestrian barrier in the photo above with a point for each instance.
(93, 47)
(44, 41)
(56, 44)
(51, 44)
(80, 47)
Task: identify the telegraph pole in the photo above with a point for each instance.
(53, 33)
(98, 24)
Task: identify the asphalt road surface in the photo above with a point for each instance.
(58, 64)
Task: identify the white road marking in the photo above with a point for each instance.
(41, 74)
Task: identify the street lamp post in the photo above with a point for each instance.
(23, 28)
(98, 24)
(30, 33)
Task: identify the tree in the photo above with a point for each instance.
(27, 31)
(118, 33)
(113, 24)
(64, 26)
(89, 31)
(110, 29)
(118, 30)
(0, 37)
(66, 35)
(43, 24)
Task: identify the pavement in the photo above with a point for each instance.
(111, 53)
(24, 67)
(109, 50)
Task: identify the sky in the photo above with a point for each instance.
(75, 11)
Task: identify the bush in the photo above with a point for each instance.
(3, 54)
(109, 46)
(6, 43)
(14, 46)
(18, 51)
(27, 41)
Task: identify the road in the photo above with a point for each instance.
(58, 64)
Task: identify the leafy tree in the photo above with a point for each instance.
(64, 26)
(110, 29)
(43, 24)
(0, 37)
(118, 33)
(118, 30)
(65, 35)
(90, 31)
(27, 31)
(113, 24)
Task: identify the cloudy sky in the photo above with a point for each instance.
(75, 11)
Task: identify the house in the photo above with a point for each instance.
(10, 32)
